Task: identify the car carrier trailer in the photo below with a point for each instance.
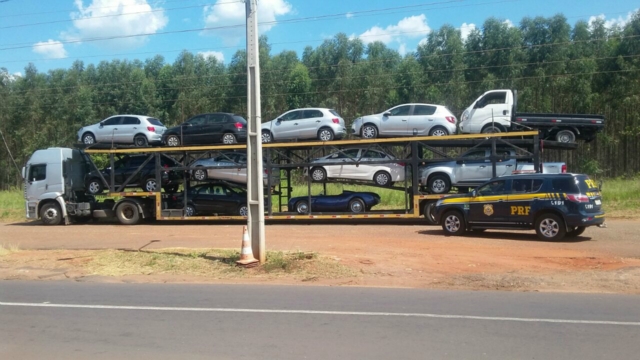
(55, 178)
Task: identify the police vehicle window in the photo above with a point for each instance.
(492, 188)
(537, 184)
(565, 184)
(522, 185)
(37, 172)
(586, 185)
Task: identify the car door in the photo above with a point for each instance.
(240, 174)
(493, 105)
(504, 165)
(366, 170)
(286, 126)
(421, 119)
(395, 121)
(202, 199)
(490, 204)
(523, 192)
(107, 131)
(223, 200)
(346, 164)
(127, 129)
(213, 128)
(192, 130)
(309, 123)
(120, 170)
(474, 167)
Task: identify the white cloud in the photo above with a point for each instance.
(620, 21)
(216, 54)
(116, 18)
(465, 30)
(349, 15)
(509, 23)
(402, 49)
(423, 42)
(225, 13)
(409, 27)
(51, 49)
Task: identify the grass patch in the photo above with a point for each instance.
(7, 249)
(12, 205)
(214, 264)
(621, 197)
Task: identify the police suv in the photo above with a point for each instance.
(555, 205)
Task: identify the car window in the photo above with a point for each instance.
(586, 185)
(400, 110)
(503, 154)
(334, 113)
(375, 154)
(293, 115)
(499, 97)
(130, 120)
(493, 188)
(347, 154)
(527, 185)
(218, 190)
(216, 119)
(136, 161)
(475, 155)
(424, 110)
(312, 114)
(154, 121)
(37, 172)
(112, 121)
(564, 184)
(239, 119)
(197, 120)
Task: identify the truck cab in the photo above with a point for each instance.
(490, 113)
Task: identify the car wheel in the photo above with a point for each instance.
(128, 213)
(356, 206)
(318, 174)
(302, 207)
(141, 141)
(438, 131)
(453, 223)
(576, 232)
(382, 178)
(491, 129)
(369, 132)
(266, 136)
(173, 141)
(190, 211)
(229, 139)
(150, 185)
(550, 227)
(200, 174)
(51, 214)
(88, 139)
(94, 186)
(325, 134)
(243, 210)
(429, 208)
(439, 184)
(566, 136)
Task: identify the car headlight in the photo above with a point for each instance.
(465, 115)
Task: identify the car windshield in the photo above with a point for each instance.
(154, 121)
(240, 191)
(335, 113)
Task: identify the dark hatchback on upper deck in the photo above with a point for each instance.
(205, 129)
(555, 205)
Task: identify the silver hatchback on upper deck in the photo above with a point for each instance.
(309, 123)
(138, 130)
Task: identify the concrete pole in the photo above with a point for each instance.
(255, 193)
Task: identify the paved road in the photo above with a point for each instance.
(65, 320)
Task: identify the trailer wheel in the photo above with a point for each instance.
(429, 207)
(51, 214)
(128, 213)
(566, 136)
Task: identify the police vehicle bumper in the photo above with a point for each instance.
(584, 219)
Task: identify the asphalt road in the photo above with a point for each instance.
(66, 320)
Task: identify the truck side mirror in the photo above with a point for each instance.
(24, 172)
(387, 114)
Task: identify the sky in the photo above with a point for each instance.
(53, 34)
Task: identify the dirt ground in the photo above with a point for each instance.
(601, 260)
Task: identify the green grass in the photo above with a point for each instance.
(621, 197)
(11, 205)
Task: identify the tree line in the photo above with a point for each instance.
(587, 68)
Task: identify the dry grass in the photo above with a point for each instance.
(8, 249)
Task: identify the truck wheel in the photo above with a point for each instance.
(128, 213)
(429, 208)
(550, 227)
(566, 136)
(491, 129)
(453, 223)
(51, 214)
(439, 184)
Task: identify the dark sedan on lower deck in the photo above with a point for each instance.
(355, 202)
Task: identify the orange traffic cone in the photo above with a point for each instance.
(246, 254)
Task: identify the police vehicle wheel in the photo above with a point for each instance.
(550, 227)
(429, 208)
(439, 184)
(577, 231)
(453, 223)
(128, 213)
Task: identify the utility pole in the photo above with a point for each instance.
(255, 193)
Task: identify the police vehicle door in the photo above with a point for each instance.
(490, 203)
(522, 197)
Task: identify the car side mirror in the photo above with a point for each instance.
(387, 114)
(101, 125)
(278, 120)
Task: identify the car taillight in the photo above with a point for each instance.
(336, 120)
(564, 168)
(238, 125)
(578, 198)
(151, 128)
(451, 119)
(266, 171)
(401, 163)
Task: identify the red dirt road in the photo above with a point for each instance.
(601, 260)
